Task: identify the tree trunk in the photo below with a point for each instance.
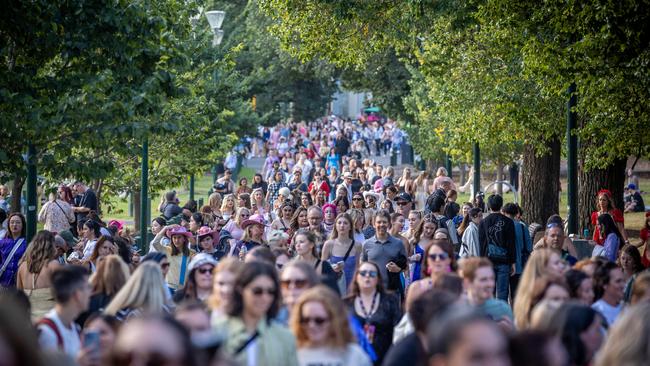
(590, 182)
(540, 183)
(17, 193)
(499, 186)
(136, 209)
(463, 174)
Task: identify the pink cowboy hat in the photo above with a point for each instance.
(180, 230)
(205, 231)
(255, 219)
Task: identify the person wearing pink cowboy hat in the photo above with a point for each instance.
(206, 239)
(253, 236)
(179, 253)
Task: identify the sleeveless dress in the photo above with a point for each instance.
(420, 196)
(416, 269)
(348, 267)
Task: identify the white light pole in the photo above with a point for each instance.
(215, 18)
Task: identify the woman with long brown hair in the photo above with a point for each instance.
(34, 271)
(605, 205)
(111, 275)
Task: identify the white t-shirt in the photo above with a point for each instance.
(88, 249)
(71, 340)
(609, 312)
(326, 356)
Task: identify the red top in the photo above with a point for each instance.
(643, 235)
(323, 187)
(616, 214)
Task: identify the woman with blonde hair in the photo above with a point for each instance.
(111, 275)
(320, 324)
(540, 263)
(234, 227)
(223, 281)
(143, 294)
(34, 271)
(421, 188)
(405, 182)
(215, 201)
(228, 206)
(628, 340)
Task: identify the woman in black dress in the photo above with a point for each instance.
(375, 309)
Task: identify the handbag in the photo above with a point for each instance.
(341, 282)
(497, 254)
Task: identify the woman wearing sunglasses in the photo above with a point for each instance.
(438, 260)
(199, 282)
(322, 330)
(253, 338)
(377, 310)
(295, 278)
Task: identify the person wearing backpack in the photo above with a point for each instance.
(71, 291)
(497, 240)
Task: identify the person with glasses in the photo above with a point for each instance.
(252, 336)
(438, 260)
(234, 227)
(322, 331)
(295, 278)
(377, 310)
(199, 281)
(358, 202)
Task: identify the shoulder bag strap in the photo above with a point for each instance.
(50, 324)
(347, 254)
(246, 343)
(11, 255)
(181, 280)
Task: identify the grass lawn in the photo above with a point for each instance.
(202, 185)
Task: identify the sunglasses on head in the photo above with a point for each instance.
(259, 291)
(314, 320)
(297, 283)
(371, 274)
(440, 256)
(205, 270)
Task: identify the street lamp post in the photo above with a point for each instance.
(31, 192)
(572, 161)
(144, 194)
(477, 170)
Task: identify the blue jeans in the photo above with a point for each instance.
(502, 273)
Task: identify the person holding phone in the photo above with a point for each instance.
(98, 338)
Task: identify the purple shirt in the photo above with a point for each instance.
(611, 245)
(8, 278)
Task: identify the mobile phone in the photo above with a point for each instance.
(91, 340)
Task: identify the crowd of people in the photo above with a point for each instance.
(324, 258)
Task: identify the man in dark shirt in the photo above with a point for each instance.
(87, 201)
(342, 145)
(170, 207)
(497, 240)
